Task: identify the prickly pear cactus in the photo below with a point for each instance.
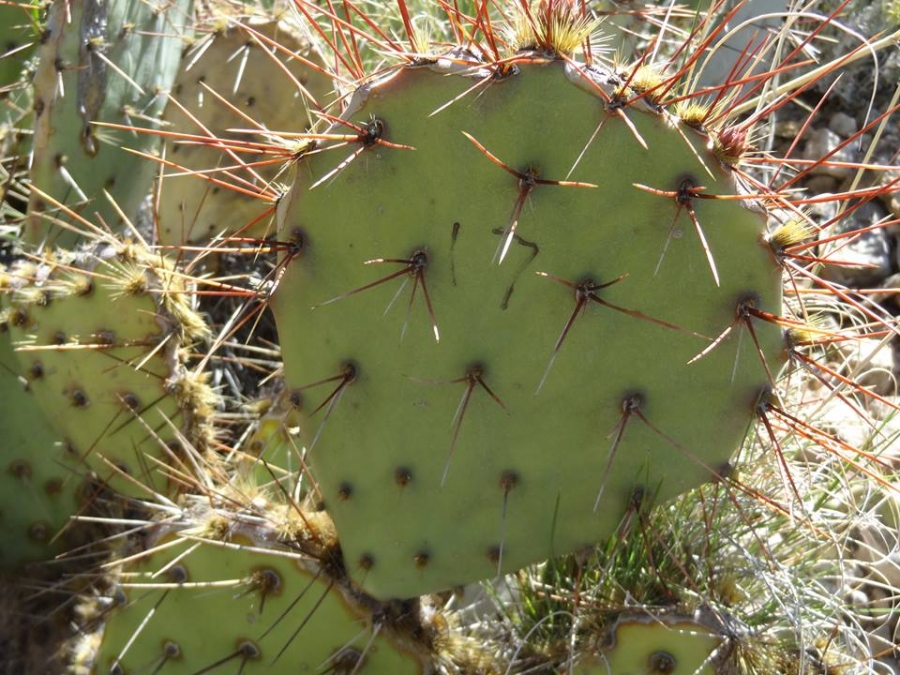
(18, 36)
(101, 337)
(245, 71)
(217, 590)
(512, 315)
(657, 645)
(108, 62)
(38, 495)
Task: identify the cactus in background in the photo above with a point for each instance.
(19, 35)
(249, 69)
(102, 336)
(109, 62)
(17, 41)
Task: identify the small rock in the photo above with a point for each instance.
(821, 142)
(823, 212)
(843, 124)
(891, 295)
(863, 260)
(887, 569)
(886, 410)
(821, 184)
(870, 363)
(787, 128)
(858, 429)
(856, 598)
(892, 199)
(845, 425)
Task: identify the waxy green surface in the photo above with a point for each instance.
(104, 366)
(38, 491)
(220, 614)
(108, 62)
(529, 462)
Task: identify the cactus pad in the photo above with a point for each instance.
(110, 62)
(271, 451)
(38, 494)
(511, 317)
(237, 61)
(197, 603)
(101, 336)
(651, 645)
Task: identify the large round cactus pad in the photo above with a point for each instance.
(444, 461)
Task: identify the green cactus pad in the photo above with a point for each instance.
(110, 62)
(445, 461)
(238, 64)
(18, 36)
(249, 606)
(657, 645)
(101, 337)
(38, 494)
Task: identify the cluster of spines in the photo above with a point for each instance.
(104, 334)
